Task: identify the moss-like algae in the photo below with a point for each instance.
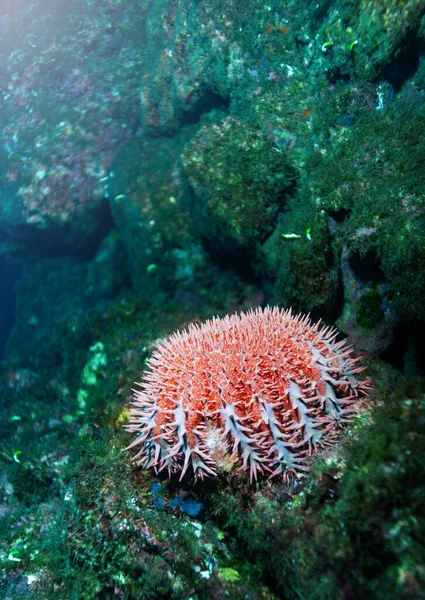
(370, 312)
(369, 180)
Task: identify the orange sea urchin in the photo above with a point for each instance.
(264, 387)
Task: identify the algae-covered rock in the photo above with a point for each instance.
(298, 264)
(368, 179)
(240, 180)
(70, 103)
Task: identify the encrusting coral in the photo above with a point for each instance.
(264, 387)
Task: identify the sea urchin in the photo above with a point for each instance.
(265, 388)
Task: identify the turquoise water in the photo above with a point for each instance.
(167, 162)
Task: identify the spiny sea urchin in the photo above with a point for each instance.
(264, 387)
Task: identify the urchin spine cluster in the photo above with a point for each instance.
(264, 388)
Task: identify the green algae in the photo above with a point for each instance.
(370, 313)
(240, 179)
(370, 176)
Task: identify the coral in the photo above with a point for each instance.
(264, 387)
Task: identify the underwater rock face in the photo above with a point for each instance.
(264, 388)
(69, 104)
(241, 182)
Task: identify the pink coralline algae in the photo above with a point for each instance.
(264, 388)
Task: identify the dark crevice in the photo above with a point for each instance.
(406, 352)
(335, 310)
(236, 260)
(367, 268)
(208, 102)
(335, 75)
(404, 65)
(10, 273)
(58, 242)
(339, 215)
(104, 225)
